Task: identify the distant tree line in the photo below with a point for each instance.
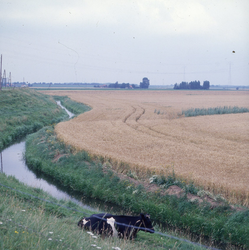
(143, 85)
(192, 85)
(117, 85)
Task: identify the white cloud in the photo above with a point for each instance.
(158, 17)
(191, 17)
(155, 16)
(110, 36)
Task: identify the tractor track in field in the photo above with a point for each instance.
(129, 115)
(140, 115)
(153, 132)
(134, 112)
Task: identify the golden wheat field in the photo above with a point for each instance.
(212, 151)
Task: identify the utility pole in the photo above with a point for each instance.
(9, 82)
(4, 78)
(1, 74)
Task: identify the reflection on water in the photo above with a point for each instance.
(13, 164)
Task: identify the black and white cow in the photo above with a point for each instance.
(117, 225)
(96, 223)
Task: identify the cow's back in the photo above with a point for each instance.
(125, 225)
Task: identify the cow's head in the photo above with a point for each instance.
(146, 223)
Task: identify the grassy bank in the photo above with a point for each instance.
(79, 172)
(24, 111)
(28, 222)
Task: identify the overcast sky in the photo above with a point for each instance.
(168, 41)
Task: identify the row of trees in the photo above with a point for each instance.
(143, 85)
(192, 85)
(117, 85)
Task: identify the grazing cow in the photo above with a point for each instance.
(117, 225)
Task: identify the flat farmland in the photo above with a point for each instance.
(146, 130)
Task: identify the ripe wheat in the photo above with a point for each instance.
(124, 127)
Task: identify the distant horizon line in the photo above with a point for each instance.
(91, 83)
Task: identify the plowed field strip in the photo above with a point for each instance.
(143, 128)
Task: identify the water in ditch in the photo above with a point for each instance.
(14, 164)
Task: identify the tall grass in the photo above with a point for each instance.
(24, 111)
(214, 111)
(79, 172)
(28, 223)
